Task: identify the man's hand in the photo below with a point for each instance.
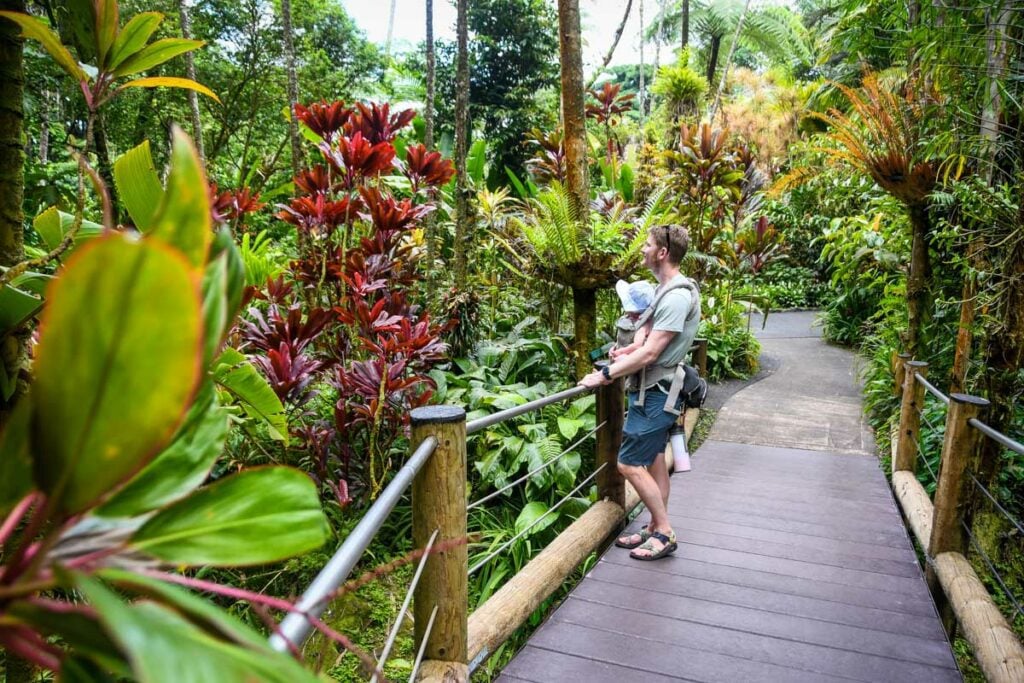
(594, 379)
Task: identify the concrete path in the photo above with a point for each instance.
(809, 398)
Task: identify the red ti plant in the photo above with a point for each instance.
(351, 320)
(548, 162)
(231, 206)
(607, 109)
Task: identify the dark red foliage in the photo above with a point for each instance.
(270, 331)
(425, 168)
(387, 215)
(290, 373)
(316, 180)
(231, 205)
(324, 119)
(356, 157)
(318, 214)
(377, 123)
(609, 103)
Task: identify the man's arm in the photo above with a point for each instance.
(655, 343)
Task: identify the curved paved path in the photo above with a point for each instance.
(793, 562)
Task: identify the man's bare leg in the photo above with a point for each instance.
(659, 470)
(650, 494)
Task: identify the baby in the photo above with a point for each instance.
(630, 333)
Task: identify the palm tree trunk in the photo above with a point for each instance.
(461, 143)
(293, 84)
(190, 71)
(728, 62)
(12, 186)
(584, 312)
(428, 140)
(391, 32)
(716, 44)
(686, 25)
(643, 84)
(917, 279)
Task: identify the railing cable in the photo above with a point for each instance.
(529, 474)
(992, 569)
(405, 606)
(927, 421)
(988, 494)
(932, 389)
(506, 544)
(423, 645)
(924, 459)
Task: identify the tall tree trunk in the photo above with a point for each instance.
(685, 42)
(429, 224)
(584, 313)
(293, 84)
(716, 44)
(190, 71)
(391, 31)
(44, 129)
(917, 279)
(615, 40)
(574, 125)
(643, 76)
(657, 36)
(728, 62)
(461, 143)
(965, 331)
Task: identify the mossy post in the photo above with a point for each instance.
(953, 493)
(910, 417)
(439, 503)
(610, 409)
(700, 356)
(899, 370)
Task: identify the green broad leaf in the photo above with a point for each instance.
(133, 37)
(476, 160)
(162, 645)
(52, 225)
(569, 427)
(115, 373)
(16, 306)
(15, 463)
(107, 23)
(215, 313)
(169, 82)
(155, 54)
(78, 669)
(36, 30)
(138, 185)
(516, 183)
(183, 219)
(223, 247)
(626, 182)
(240, 379)
(530, 514)
(200, 612)
(181, 468)
(34, 283)
(261, 515)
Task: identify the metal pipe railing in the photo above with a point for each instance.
(503, 415)
(998, 437)
(296, 627)
(932, 389)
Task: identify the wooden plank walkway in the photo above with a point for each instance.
(792, 566)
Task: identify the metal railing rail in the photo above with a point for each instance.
(932, 389)
(476, 425)
(998, 437)
(296, 626)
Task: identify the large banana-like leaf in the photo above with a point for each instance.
(184, 220)
(139, 185)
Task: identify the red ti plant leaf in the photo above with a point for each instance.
(269, 332)
(356, 158)
(387, 215)
(425, 168)
(290, 374)
(316, 180)
(377, 123)
(318, 215)
(324, 119)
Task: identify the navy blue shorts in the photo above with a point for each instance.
(646, 431)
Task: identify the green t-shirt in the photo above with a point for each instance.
(670, 316)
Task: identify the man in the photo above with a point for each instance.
(641, 456)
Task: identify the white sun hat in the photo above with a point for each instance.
(635, 297)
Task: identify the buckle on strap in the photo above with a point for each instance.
(678, 379)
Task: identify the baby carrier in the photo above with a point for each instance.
(683, 380)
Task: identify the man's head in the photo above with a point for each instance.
(666, 243)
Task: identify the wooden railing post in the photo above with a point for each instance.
(610, 410)
(952, 494)
(899, 373)
(700, 356)
(439, 503)
(910, 418)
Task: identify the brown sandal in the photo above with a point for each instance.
(629, 544)
(667, 548)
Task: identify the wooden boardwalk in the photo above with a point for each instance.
(792, 566)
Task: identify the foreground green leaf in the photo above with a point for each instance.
(181, 468)
(36, 30)
(155, 54)
(133, 37)
(52, 225)
(183, 219)
(258, 516)
(530, 514)
(245, 383)
(15, 465)
(162, 645)
(112, 386)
